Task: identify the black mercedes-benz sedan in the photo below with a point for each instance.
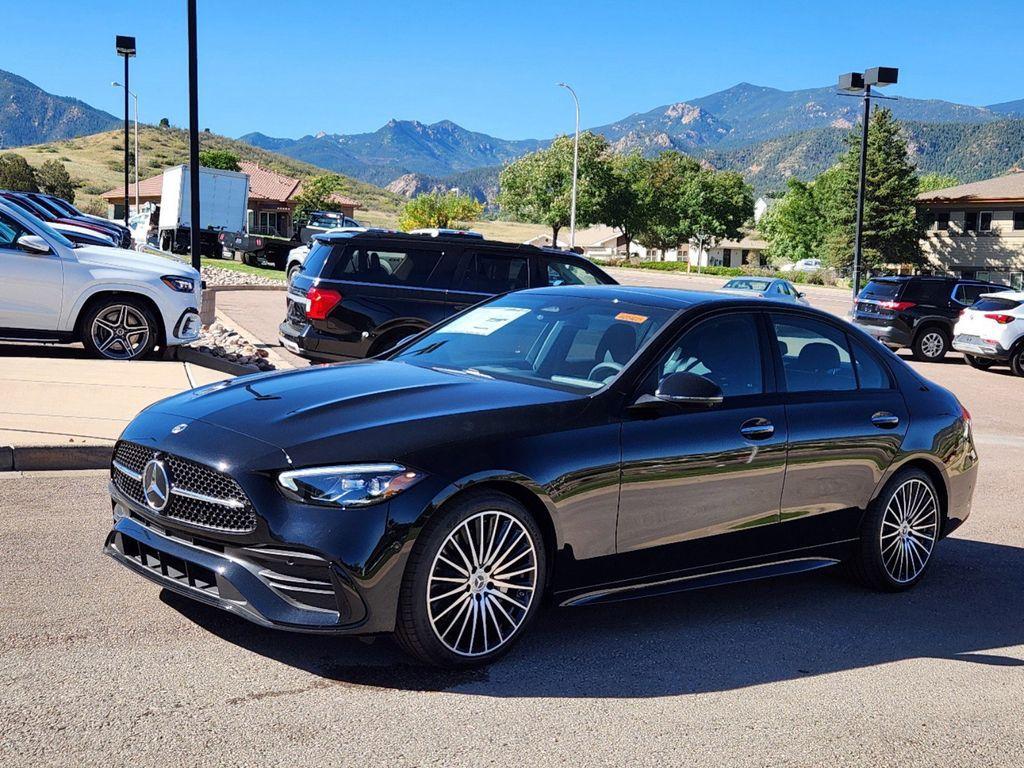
(581, 444)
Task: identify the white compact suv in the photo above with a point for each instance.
(991, 331)
(120, 304)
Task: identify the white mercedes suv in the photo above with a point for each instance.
(991, 331)
(120, 304)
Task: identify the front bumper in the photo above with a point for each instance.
(979, 347)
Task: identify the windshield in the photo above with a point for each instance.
(40, 227)
(567, 342)
(748, 285)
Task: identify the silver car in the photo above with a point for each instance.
(776, 289)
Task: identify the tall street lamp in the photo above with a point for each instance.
(575, 169)
(125, 47)
(135, 96)
(856, 82)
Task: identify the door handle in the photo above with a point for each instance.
(885, 420)
(757, 429)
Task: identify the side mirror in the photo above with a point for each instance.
(800, 294)
(680, 389)
(33, 244)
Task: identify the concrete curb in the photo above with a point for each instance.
(33, 458)
(194, 356)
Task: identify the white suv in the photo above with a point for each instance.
(991, 331)
(120, 304)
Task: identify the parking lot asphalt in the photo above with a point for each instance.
(97, 667)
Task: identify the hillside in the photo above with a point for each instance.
(30, 115)
(96, 162)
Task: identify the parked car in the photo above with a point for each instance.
(917, 312)
(49, 215)
(803, 265)
(120, 304)
(581, 443)
(361, 293)
(62, 209)
(76, 234)
(321, 222)
(297, 255)
(776, 289)
(991, 331)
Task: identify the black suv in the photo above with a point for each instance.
(916, 312)
(360, 293)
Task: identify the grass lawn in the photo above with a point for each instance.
(237, 266)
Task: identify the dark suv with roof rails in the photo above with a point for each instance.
(918, 312)
(360, 293)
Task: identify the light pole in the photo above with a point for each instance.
(136, 164)
(125, 47)
(855, 82)
(193, 133)
(575, 169)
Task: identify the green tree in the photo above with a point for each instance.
(538, 186)
(793, 226)
(669, 222)
(439, 209)
(165, 123)
(315, 194)
(54, 179)
(219, 158)
(719, 203)
(891, 229)
(17, 174)
(631, 198)
(929, 182)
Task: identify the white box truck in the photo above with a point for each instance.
(223, 199)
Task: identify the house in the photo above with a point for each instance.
(271, 200)
(598, 243)
(976, 230)
(747, 251)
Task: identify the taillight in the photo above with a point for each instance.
(321, 302)
(1001, 319)
(898, 306)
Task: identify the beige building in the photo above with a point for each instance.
(977, 230)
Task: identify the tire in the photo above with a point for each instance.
(894, 551)
(471, 618)
(930, 344)
(293, 270)
(981, 363)
(389, 340)
(1017, 361)
(119, 328)
(249, 259)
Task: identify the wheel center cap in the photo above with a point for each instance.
(478, 582)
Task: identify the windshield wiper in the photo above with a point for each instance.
(462, 371)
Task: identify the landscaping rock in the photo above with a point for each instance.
(220, 341)
(218, 277)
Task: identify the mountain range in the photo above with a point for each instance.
(30, 115)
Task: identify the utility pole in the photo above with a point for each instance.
(575, 170)
(126, 48)
(193, 133)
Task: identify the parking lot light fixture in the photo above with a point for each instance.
(125, 46)
(135, 96)
(854, 83)
(575, 169)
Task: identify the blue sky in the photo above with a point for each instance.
(293, 67)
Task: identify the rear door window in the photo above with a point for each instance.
(815, 356)
(491, 272)
(388, 265)
(871, 374)
(967, 293)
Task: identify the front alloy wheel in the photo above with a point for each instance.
(120, 330)
(472, 583)
(899, 533)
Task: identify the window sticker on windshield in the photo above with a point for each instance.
(484, 321)
(628, 317)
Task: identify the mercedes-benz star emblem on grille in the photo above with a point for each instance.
(156, 485)
(179, 428)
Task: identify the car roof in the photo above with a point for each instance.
(1009, 293)
(669, 298)
(475, 241)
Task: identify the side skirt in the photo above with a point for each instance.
(702, 580)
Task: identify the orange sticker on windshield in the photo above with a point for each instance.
(631, 318)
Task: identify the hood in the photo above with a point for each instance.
(367, 410)
(137, 261)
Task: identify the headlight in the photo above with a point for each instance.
(355, 485)
(179, 284)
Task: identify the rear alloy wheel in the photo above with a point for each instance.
(899, 533)
(1017, 361)
(473, 584)
(930, 344)
(981, 363)
(120, 329)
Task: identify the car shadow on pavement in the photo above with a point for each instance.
(57, 351)
(711, 640)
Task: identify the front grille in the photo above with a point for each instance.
(222, 506)
(182, 571)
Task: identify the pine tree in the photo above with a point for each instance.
(891, 230)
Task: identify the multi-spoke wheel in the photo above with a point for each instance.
(899, 533)
(119, 329)
(930, 344)
(473, 582)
